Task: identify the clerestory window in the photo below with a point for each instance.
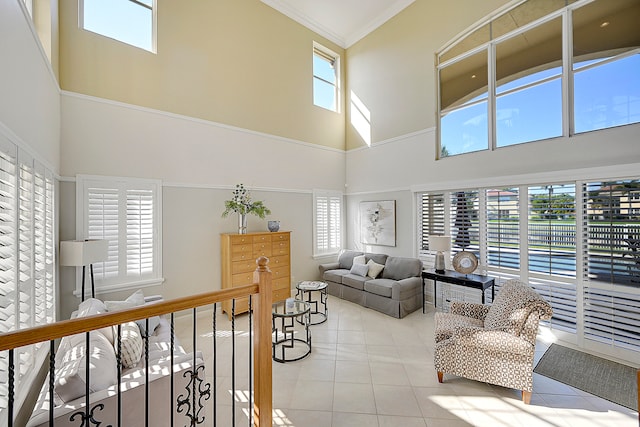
(326, 78)
(537, 71)
(129, 21)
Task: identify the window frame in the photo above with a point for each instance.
(451, 53)
(123, 185)
(327, 55)
(154, 24)
(330, 233)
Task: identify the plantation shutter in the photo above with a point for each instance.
(8, 243)
(140, 232)
(328, 227)
(40, 243)
(503, 228)
(612, 265)
(552, 230)
(103, 223)
(431, 211)
(465, 222)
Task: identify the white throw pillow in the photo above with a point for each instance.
(71, 373)
(136, 299)
(360, 259)
(92, 306)
(374, 269)
(131, 344)
(359, 269)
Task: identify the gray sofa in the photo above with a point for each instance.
(395, 291)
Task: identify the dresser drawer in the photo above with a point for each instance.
(258, 252)
(244, 266)
(238, 239)
(240, 252)
(282, 283)
(284, 237)
(279, 272)
(280, 247)
(261, 238)
(281, 294)
(278, 260)
(242, 279)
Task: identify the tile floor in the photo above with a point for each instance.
(368, 369)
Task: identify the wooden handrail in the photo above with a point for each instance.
(64, 328)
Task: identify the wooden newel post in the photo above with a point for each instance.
(262, 376)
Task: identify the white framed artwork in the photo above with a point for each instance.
(378, 223)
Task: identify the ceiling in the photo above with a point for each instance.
(344, 22)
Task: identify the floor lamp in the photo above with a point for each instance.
(76, 253)
(440, 244)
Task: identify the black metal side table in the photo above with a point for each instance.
(290, 343)
(469, 280)
(309, 287)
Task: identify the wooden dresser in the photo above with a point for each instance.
(239, 253)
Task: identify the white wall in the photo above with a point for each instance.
(199, 162)
(29, 94)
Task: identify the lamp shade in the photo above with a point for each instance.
(83, 252)
(439, 243)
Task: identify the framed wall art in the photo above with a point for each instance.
(378, 223)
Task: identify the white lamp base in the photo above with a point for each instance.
(439, 265)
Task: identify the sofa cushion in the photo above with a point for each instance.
(70, 370)
(360, 259)
(359, 269)
(345, 260)
(377, 258)
(374, 269)
(354, 281)
(136, 299)
(397, 268)
(382, 287)
(335, 275)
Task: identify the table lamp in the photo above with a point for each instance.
(439, 244)
(76, 253)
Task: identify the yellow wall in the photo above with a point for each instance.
(234, 62)
(392, 69)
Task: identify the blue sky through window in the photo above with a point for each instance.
(121, 20)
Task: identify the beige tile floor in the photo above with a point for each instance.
(368, 369)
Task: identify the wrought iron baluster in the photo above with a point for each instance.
(250, 380)
(233, 362)
(11, 392)
(215, 365)
(52, 378)
(172, 408)
(146, 372)
(119, 365)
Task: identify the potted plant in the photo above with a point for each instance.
(242, 204)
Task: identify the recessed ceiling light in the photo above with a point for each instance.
(473, 76)
(604, 24)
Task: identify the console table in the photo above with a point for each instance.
(448, 276)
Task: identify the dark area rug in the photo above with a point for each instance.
(604, 378)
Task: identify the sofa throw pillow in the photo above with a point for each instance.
(374, 269)
(360, 259)
(359, 269)
(92, 306)
(136, 299)
(131, 344)
(70, 371)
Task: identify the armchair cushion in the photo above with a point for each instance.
(447, 323)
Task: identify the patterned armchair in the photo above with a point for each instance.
(493, 344)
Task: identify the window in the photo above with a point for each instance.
(326, 78)
(503, 228)
(129, 21)
(27, 284)
(328, 222)
(127, 213)
(505, 83)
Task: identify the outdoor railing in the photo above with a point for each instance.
(199, 403)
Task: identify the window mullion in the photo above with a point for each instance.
(567, 74)
(491, 95)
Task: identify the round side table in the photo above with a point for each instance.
(288, 342)
(318, 306)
